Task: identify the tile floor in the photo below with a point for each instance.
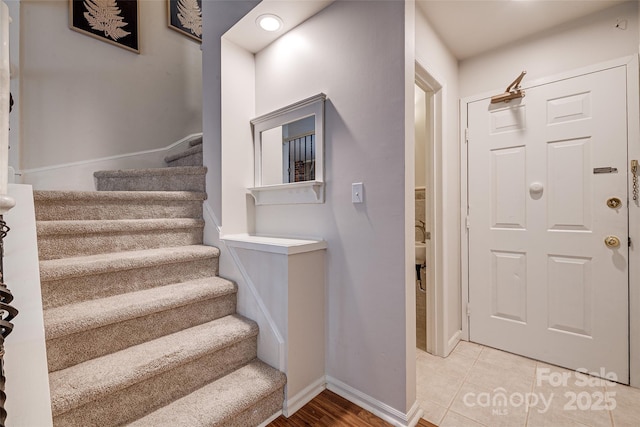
(481, 386)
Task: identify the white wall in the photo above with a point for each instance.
(218, 17)
(435, 58)
(421, 137)
(354, 53)
(577, 44)
(82, 98)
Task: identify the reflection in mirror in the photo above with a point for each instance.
(272, 161)
(289, 153)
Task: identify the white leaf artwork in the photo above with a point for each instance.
(104, 15)
(190, 16)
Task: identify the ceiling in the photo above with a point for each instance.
(467, 27)
(471, 27)
(249, 36)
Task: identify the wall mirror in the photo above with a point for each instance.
(289, 154)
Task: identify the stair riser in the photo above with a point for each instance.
(260, 411)
(76, 348)
(83, 288)
(194, 159)
(136, 401)
(57, 246)
(152, 183)
(68, 210)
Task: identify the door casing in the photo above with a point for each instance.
(633, 148)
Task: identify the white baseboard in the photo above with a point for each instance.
(453, 342)
(79, 175)
(291, 405)
(380, 409)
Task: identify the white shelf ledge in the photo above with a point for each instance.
(292, 193)
(276, 245)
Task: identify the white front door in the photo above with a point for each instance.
(542, 281)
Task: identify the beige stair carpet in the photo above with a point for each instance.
(139, 326)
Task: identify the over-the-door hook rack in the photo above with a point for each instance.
(513, 91)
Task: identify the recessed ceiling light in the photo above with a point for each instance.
(269, 22)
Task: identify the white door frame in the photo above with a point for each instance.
(633, 144)
(436, 304)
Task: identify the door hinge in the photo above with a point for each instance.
(466, 135)
(467, 222)
(629, 241)
(468, 310)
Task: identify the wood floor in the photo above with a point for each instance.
(329, 409)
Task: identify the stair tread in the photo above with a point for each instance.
(100, 377)
(67, 196)
(83, 316)
(178, 170)
(47, 228)
(65, 268)
(219, 400)
(196, 149)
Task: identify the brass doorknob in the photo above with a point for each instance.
(614, 202)
(612, 241)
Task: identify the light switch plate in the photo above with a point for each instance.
(357, 192)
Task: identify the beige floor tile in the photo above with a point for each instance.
(627, 410)
(625, 419)
(433, 412)
(550, 375)
(468, 349)
(438, 388)
(513, 378)
(477, 403)
(504, 359)
(456, 420)
(551, 419)
(585, 405)
(455, 365)
(443, 382)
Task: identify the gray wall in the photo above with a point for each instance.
(354, 53)
(82, 98)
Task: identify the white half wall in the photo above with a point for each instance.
(82, 98)
(14, 60)
(28, 401)
(78, 176)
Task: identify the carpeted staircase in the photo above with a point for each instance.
(140, 329)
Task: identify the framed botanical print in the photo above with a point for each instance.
(112, 21)
(185, 16)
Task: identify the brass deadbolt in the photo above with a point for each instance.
(614, 203)
(612, 241)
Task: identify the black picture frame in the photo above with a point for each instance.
(124, 33)
(190, 25)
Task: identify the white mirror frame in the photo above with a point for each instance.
(294, 192)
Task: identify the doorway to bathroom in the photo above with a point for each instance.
(428, 131)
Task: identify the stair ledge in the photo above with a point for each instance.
(127, 173)
(196, 141)
(97, 378)
(225, 398)
(66, 268)
(84, 316)
(51, 228)
(68, 196)
(196, 149)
